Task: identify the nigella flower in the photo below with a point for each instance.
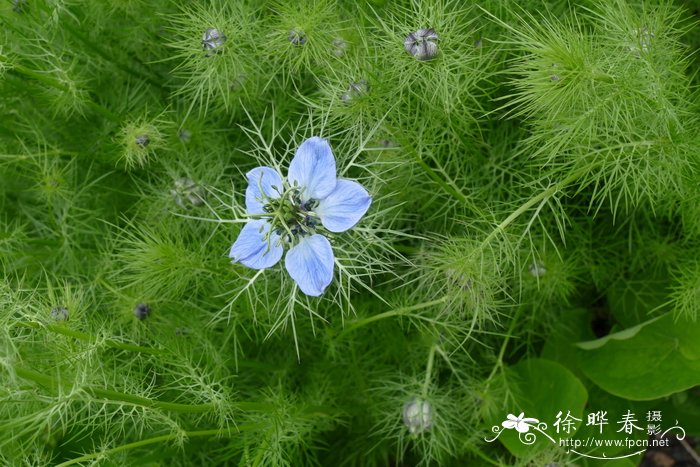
(296, 213)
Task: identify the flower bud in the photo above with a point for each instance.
(643, 41)
(418, 415)
(187, 193)
(142, 140)
(422, 44)
(297, 37)
(142, 311)
(537, 269)
(354, 90)
(59, 313)
(19, 6)
(185, 135)
(212, 40)
(340, 47)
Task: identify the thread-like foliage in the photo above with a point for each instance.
(532, 174)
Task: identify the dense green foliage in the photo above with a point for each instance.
(535, 185)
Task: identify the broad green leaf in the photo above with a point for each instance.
(541, 388)
(654, 359)
(620, 336)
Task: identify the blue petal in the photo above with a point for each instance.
(313, 168)
(261, 181)
(251, 248)
(310, 263)
(344, 207)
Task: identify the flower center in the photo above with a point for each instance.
(290, 216)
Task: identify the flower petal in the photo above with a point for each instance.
(310, 263)
(313, 168)
(509, 424)
(522, 427)
(262, 182)
(344, 207)
(251, 248)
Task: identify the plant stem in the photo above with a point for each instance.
(161, 439)
(502, 352)
(100, 393)
(429, 371)
(395, 312)
(89, 338)
(531, 202)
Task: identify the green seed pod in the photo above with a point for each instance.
(422, 44)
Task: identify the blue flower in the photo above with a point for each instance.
(296, 212)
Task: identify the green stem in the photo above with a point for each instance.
(531, 202)
(438, 179)
(429, 371)
(161, 439)
(100, 393)
(395, 312)
(89, 338)
(502, 352)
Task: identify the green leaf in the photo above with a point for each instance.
(541, 388)
(620, 335)
(649, 361)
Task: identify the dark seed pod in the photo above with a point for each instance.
(354, 90)
(142, 311)
(212, 40)
(142, 141)
(59, 313)
(297, 37)
(422, 44)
